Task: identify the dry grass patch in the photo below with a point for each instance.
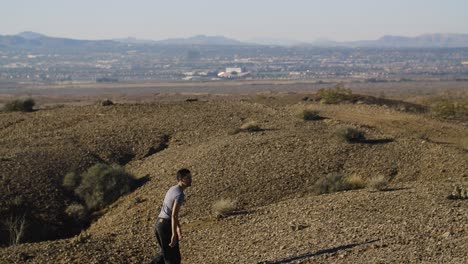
(307, 114)
(251, 126)
(224, 207)
(336, 182)
(350, 135)
(355, 182)
(378, 183)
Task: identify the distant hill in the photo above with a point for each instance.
(31, 40)
(201, 40)
(423, 41)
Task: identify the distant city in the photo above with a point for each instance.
(32, 57)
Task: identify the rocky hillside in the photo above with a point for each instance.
(271, 174)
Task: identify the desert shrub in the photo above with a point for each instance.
(223, 207)
(16, 227)
(355, 182)
(379, 183)
(19, 105)
(450, 109)
(251, 126)
(459, 192)
(335, 182)
(307, 114)
(106, 102)
(102, 184)
(334, 95)
(71, 180)
(350, 134)
(13, 220)
(77, 211)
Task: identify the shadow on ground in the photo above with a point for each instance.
(377, 141)
(318, 253)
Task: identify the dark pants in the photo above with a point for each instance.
(163, 233)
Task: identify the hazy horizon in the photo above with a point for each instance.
(297, 20)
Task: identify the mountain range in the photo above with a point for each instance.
(36, 40)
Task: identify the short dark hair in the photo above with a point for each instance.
(182, 173)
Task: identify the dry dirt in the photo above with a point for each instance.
(270, 173)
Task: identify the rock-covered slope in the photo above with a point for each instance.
(271, 174)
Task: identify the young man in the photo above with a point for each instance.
(167, 229)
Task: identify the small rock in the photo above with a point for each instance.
(446, 235)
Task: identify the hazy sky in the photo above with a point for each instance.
(305, 20)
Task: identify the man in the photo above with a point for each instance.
(167, 229)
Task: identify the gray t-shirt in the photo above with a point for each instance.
(175, 193)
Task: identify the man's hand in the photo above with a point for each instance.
(179, 233)
(173, 241)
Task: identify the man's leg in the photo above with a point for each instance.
(171, 254)
(159, 259)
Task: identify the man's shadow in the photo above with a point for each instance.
(318, 253)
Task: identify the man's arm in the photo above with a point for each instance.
(174, 223)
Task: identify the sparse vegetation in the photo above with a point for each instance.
(450, 109)
(251, 126)
(76, 211)
(307, 114)
(19, 105)
(336, 182)
(459, 192)
(16, 227)
(101, 184)
(106, 102)
(71, 181)
(355, 182)
(378, 183)
(13, 221)
(350, 135)
(335, 95)
(223, 207)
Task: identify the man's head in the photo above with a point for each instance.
(184, 177)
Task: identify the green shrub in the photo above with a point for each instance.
(335, 182)
(76, 211)
(19, 105)
(350, 134)
(334, 95)
(102, 184)
(71, 181)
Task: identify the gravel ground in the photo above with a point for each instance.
(270, 173)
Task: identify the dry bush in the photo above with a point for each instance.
(15, 225)
(459, 192)
(307, 114)
(379, 183)
(224, 207)
(106, 102)
(350, 135)
(335, 95)
(251, 126)
(336, 182)
(355, 182)
(19, 105)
